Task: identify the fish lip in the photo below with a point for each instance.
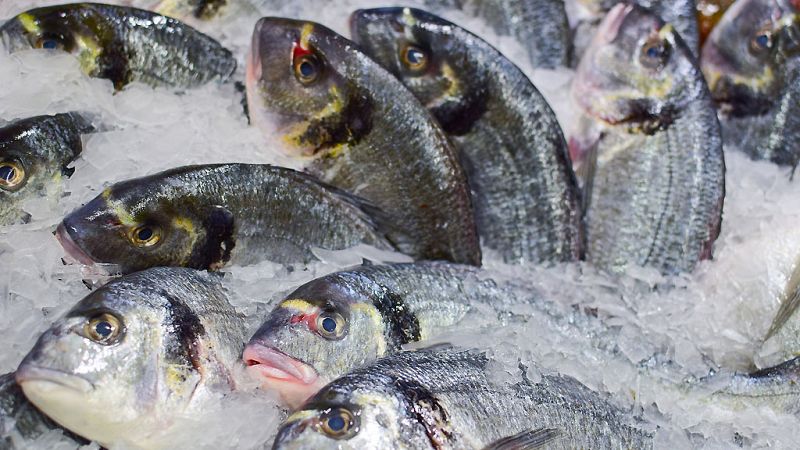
(609, 28)
(26, 373)
(272, 364)
(73, 250)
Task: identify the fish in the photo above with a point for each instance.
(198, 9)
(20, 421)
(540, 26)
(525, 195)
(657, 182)
(777, 387)
(682, 14)
(355, 126)
(751, 65)
(445, 398)
(208, 216)
(344, 320)
(35, 154)
(130, 357)
(123, 44)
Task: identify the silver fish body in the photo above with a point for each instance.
(359, 129)
(658, 180)
(149, 347)
(445, 398)
(211, 215)
(527, 203)
(35, 153)
(123, 44)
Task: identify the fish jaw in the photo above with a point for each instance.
(293, 379)
(73, 250)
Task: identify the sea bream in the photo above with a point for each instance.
(35, 154)
(359, 129)
(341, 321)
(446, 398)
(122, 44)
(751, 63)
(210, 215)
(130, 357)
(526, 198)
(656, 182)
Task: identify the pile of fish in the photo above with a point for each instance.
(421, 146)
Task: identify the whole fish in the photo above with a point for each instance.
(657, 182)
(541, 26)
(122, 44)
(20, 421)
(134, 354)
(446, 398)
(682, 14)
(207, 216)
(751, 64)
(344, 320)
(34, 155)
(361, 131)
(526, 198)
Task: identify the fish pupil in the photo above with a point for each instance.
(104, 329)
(415, 56)
(329, 325)
(7, 173)
(50, 44)
(145, 234)
(336, 423)
(762, 40)
(307, 69)
(653, 52)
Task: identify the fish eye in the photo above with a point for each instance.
(12, 175)
(655, 53)
(414, 57)
(50, 43)
(761, 43)
(331, 325)
(103, 328)
(306, 69)
(145, 236)
(338, 423)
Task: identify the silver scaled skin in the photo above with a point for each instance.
(657, 177)
(362, 131)
(445, 398)
(526, 198)
(34, 157)
(750, 62)
(123, 44)
(133, 355)
(777, 387)
(344, 320)
(211, 215)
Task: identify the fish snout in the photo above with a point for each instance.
(293, 379)
(74, 251)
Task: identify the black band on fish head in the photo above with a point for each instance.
(402, 325)
(220, 228)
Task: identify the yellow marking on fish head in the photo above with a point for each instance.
(408, 17)
(302, 415)
(89, 52)
(372, 313)
(335, 105)
(305, 35)
(298, 304)
(119, 209)
(29, 23)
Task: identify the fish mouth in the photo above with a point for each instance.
(36, 374)
(72, 249)
(294, 380)
(612, 23)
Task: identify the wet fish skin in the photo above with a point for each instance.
(123, 44)
(752, 69)
(35, 153)
(379, 308)
(20, 420)
(777, 387)
(659, 177)
(444, 398)
(525, 194)
(207, 216)
(362, 131)
(147, 347)
(199, 9)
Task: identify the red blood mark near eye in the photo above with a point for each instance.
(298, 51)
(309, 319)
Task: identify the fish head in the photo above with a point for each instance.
(114, 361)
(322, 330)
(422, 50)
(301, 86)
(142, 223)
(354, 412)
(636, 71)
(747, 56)
(77, 28)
